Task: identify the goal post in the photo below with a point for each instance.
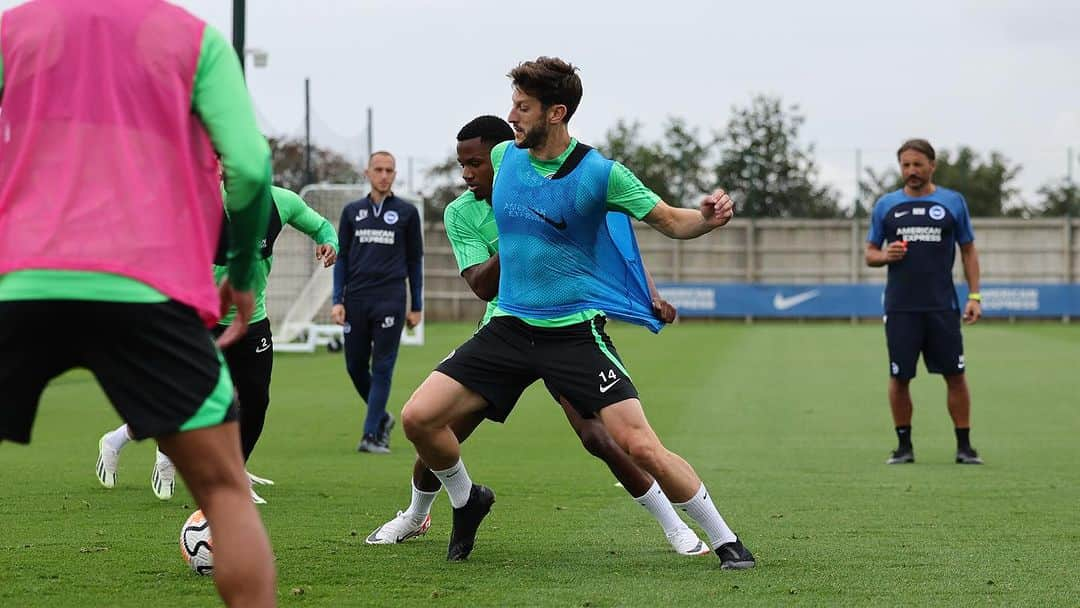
(299, 289)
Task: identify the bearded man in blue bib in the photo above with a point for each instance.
(564, 269)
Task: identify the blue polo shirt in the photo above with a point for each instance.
(380, 246)
(933, 226)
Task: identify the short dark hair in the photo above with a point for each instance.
(381, 153)
(551, 80)
(918, 145)
(490, 129)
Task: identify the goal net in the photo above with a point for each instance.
(299, 288)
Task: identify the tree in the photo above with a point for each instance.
(876, 184)
(986, 184)
(327, 166)
(442, 186)
(623, 143)
(675, 168)
(764, 167)
(1058, 198)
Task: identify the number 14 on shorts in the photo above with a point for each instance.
(608, 379)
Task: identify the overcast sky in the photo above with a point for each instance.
(993, 74)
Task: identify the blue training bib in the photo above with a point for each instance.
(560, 250)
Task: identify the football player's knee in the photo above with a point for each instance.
(597, 443)
(646, 451)
(955, 380)
(416, 420)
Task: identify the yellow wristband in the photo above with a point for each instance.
(975, 296)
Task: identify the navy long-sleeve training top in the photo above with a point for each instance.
(381, 245)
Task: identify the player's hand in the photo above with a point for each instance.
(337, 314)
(327, 254)
(717, 209)
(244, 301)
(412, 318)
(663, 310)
(895, 251)
(972, 311)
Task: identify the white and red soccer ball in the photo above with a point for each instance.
(196, 545)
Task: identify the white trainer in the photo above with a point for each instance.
(255, 498)
(685, 542)
(163, 479)
(259, 481)
(107, 461)
(398, 530)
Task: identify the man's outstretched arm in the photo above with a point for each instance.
(715, 210)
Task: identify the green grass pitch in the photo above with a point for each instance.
(787, 424)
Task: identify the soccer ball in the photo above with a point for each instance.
(196, 545)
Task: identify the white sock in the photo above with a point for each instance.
(118, 438)
(162, 458)
(457, 483)
(420, 506)
(703, 511)
(658, 504)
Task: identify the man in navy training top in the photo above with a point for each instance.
(922, 224)
(381, 245)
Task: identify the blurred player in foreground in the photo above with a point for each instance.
(110, 206)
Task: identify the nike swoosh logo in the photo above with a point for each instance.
(559, 225)
(262, 349)
(779, 302)
(607, 387)
(901, 213)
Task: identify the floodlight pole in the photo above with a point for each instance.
(239, 19)
(858, 177)
(308, 177)
(370, 125)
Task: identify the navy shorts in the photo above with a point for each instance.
(935, 334)
(577, 361)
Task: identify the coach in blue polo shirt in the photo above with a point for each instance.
(382, 245)
(921, 225)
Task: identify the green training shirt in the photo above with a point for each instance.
(293, 211)
(625, 194)
(470, 226)
(221, 100)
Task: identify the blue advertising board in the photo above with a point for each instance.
(854, 300)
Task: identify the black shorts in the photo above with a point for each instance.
(156, 363)
(505, 356)
(251, 363)
(935, 334)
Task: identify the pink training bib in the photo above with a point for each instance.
(103, 165)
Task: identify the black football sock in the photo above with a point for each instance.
(963, 441)
(903, 433)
